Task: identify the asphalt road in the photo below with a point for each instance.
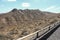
(55, 35)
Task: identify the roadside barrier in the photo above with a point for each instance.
(40, 33)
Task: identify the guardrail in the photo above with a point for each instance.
(35, 35)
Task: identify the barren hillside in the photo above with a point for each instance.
(19, 23)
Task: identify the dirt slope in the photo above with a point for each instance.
(19, 23)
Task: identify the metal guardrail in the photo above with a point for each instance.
(51, 27)
(35, 35)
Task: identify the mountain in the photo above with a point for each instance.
(19, 23)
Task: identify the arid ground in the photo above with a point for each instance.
(19, 23)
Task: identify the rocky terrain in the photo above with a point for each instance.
(19, 23)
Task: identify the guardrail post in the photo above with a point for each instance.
(37, 34)
(49, 27)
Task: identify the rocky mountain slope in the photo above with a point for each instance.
(19, 23)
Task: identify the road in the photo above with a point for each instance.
(52, 35)
(55, 35)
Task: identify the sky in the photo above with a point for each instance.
(44, 5)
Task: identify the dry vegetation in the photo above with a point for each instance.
(19, 23)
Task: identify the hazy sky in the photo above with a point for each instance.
(45, 5)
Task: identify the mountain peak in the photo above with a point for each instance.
(14, 10)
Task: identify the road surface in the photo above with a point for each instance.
(55, 35)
